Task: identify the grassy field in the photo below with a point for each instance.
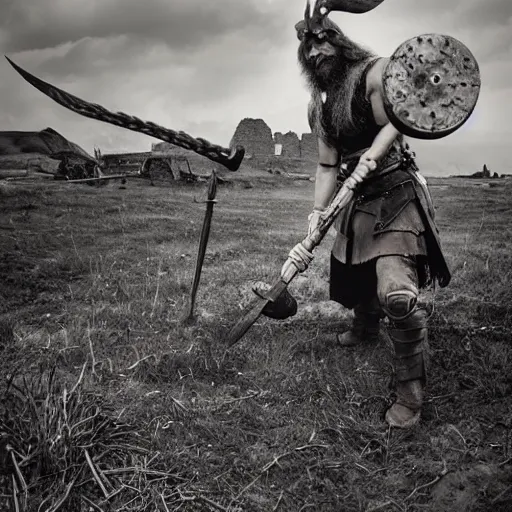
(112, 401)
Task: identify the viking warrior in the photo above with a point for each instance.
(387, 246)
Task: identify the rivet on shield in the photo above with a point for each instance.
(436, 79)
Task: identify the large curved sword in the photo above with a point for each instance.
(229, 158)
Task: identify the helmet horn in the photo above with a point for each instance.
(323, 7)
(317, 10)
(307, 15)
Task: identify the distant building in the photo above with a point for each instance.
(260, 144)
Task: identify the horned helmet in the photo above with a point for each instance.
(316, 23)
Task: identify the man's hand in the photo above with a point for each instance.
(298, 260)
(363, 168)
(314, 219)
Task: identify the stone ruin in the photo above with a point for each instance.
(256, 137)
(261, 146)
(287, 145)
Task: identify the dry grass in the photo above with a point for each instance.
(95, 289)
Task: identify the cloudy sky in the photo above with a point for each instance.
(202, 65)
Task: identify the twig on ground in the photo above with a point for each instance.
(95, 474)
(278, 501)
(15, 492)
(64, 498)
(203, 499)
(246, 488)
(115, 492)
(179, 404)
(505, 462)
(309, 446)
(275, 462)
(500, 495)
(441, 475)
(19, 474)
(79, 381)
(92, 351)
(76, 250)
(454, 428)
(148, 472)
(211, 503)
(380, 507)
(362, 467)
(164, 503)
(92, 504)
(85, 420)
(157, 288)
(134, 365)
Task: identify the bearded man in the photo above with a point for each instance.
(387, 246)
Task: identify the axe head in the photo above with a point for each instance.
(280, 308)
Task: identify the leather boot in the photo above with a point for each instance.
(408, 337)
(365, 327)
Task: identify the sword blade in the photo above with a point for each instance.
(205, 235)
(229, 158)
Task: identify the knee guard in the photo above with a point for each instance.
(398, 305)
(408, 336)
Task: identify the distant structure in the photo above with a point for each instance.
(309, 146)
(47, 152)
(256, 137)
(484, 173)
(261, 145)
(262, 148)
(289, 143)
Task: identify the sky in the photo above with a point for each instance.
(201, 66)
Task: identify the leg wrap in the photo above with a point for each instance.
(367, 319)
(365, 325)
(408, 336)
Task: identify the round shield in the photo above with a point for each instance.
(431, 86)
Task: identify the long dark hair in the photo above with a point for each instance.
(350, 61)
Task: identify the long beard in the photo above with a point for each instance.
(337, 77)
(324, 73)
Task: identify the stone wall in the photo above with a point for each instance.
(308, 146)
(256, 136)
(259, 143)
(290, 143)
